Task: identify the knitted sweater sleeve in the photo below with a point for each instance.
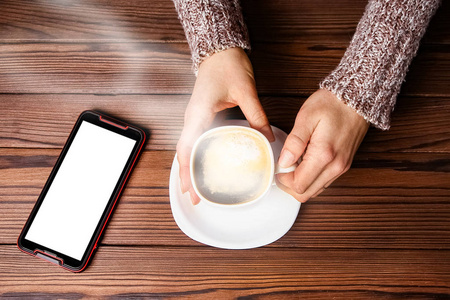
(370, 74)
(211, 26)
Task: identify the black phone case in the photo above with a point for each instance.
(49, 255)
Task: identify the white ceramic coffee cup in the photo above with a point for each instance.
(274, 167)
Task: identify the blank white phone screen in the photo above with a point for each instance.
(80, 191)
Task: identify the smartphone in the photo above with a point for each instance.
(76, 202)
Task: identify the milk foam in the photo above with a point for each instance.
(234, 166)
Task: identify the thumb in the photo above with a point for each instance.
(197, 120)
(256, 117)
(295, 144)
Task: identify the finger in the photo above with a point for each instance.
(321, 190)
(324, 187)
(314, 163)
(290, 191)
(184, 149)
(338, 170)
(302, 178)
(195, 125)
(318, 186)
(195, 199)
(256, 117)
(318, 193)
(332, 172)
(185, 177)
(295, 143)
(312, 191)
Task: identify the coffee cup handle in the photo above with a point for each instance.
(290, 169)
(281, 170)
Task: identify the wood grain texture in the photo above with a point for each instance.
(105, 68)
(161, 68)
(268, 21)
(321, 21)
(45, 121)
(297, 68)
(89, 20)
(213, 273)
(385, 201)
(419, 124)
(381, 231)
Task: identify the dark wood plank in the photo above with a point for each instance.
(282, 21)
(381, 231)
(44, 121)
(105, 68)
(297, 68)
(158, 68)
(205, 272)
(385, 201)
(322, 21)
(418, 124)
(95, 21)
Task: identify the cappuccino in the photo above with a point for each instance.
(232, 166)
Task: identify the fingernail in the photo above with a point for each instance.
(286, 159)
(193, 200)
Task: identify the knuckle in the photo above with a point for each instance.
(328, 154)
(299, 188)
(341, 166)
(247, 91)
(258, 118)
(295, 142)
(346, 168)
(302, 199)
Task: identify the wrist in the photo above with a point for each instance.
(345, 108)
(224, 56)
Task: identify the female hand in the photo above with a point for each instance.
(224, 80)
(327, 133)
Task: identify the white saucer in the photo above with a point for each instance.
(249, 226)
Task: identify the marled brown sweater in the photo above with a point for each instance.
(212, 26)
(370, 74)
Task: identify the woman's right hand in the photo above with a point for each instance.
(326, 134)
(224, 80)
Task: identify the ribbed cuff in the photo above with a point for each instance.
(370, 74)
(212, 26)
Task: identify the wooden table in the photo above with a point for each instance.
(382, 230)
